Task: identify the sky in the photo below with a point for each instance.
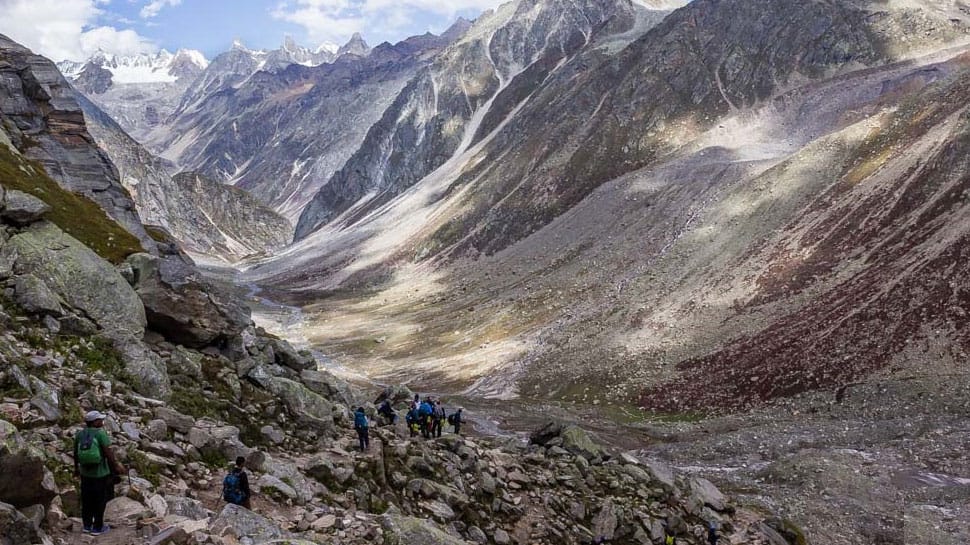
(74, 29)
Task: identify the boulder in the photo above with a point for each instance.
(158, 429)
(577, 441)
(704, 493)
(125, 509)
(604, 523)
(243, 523)
(307, 407)
(184, 307)
(147, 372)
(22, 209)
(663, 475)
(274, 487)
(399, 394)
(15, 528)
(33, 295)
(211, 437)
(427, 488)
(400, 530)
(186, 507)
(81, 278)
(179, 422)
(34, 483)
(272, 435)
(185, 363)
(329, 386)
(284, 354)
(46, 400)
(546, 433)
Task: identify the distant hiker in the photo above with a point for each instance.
(438, 419)
(93, 462)
(235, 485)
(412, 420)
(425, 412)
(712, 534)
(387, 411)
(416, 402)
(360, 424)
(455, 419)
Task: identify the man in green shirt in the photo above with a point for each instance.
(93, 461)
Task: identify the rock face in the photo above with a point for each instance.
(281, 153)
(206, 217)
(40, 106)
(139, 91)
(79, 277)
(183, 306)
(34, 483)
(20, 208)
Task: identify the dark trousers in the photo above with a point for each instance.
(94, 498)
(457, 427)
(363, 437)
(436, 427)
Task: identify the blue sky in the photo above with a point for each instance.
(74, 28)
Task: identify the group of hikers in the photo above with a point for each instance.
(427, 417)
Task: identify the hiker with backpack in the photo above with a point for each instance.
(438, 419)
(425, 411)
(93, 463)
(235, 486)
(712, 536)
(455, 420)
(361, 425)
(387, 411)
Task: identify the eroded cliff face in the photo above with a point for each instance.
(44, 121)
(207, 218)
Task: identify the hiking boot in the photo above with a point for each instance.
(86, 530)
(102, 530)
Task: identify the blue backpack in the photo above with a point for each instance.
(232, 489)
(425, 409)
(360, 420)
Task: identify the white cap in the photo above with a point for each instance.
(94, 415)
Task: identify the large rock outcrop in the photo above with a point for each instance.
(43, 119)
(28, 481)
(81, 279)
(184, 307)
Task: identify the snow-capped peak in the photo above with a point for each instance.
(159, 67)
(328, 47)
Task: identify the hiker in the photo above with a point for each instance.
(416, 402)
(93, 463)
(412, 420)
(387, 411)
(438, 421)
(235, 486)
(360, 424)
(455, 420)
(424, 415)
(712, 533)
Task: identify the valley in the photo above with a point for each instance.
(726, 237)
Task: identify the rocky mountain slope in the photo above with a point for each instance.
(42, 119)
(190, 383)
(262, 131)
(207, 218)
(138, 91)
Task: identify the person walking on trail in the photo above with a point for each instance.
(93, 463)
(712, 534)
(416, 402)
(235, 486)
(387, 411)
(361, 425)
(438, 421)
(424, 414)
(455, 420)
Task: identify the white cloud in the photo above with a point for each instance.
(155, 6)
(65, 29)
(336, 20)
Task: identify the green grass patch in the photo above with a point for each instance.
(100, 355)
(77, 215)
(146, 469)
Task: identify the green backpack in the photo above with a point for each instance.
(88, 449)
